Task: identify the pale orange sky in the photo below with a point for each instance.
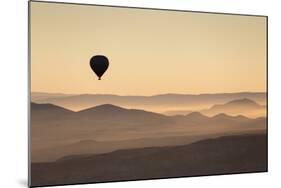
(150, 51)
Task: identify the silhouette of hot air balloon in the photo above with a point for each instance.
(99, 65)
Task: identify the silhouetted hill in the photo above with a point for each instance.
(196, 115)
(193, 117)
(105, 108)
(48, 107)
(224, 117)
(43, 112)
(225, 155)
(244, 102)
(237, 107)
(108, 112)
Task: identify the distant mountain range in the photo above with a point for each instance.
(244, 106)
(54, 128)
(156, 103)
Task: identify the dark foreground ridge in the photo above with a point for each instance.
(224, 155)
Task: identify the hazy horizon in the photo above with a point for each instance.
(167, 93)
(177, 104)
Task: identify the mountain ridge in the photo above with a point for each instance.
(109, 107)
(156, 103)
(109, 122)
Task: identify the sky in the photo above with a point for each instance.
(150, 51)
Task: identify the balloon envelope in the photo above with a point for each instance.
(99, 64)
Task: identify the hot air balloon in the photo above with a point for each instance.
(99, 65)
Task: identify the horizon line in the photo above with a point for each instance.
(75, 94)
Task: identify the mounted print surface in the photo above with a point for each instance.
(121, 94)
